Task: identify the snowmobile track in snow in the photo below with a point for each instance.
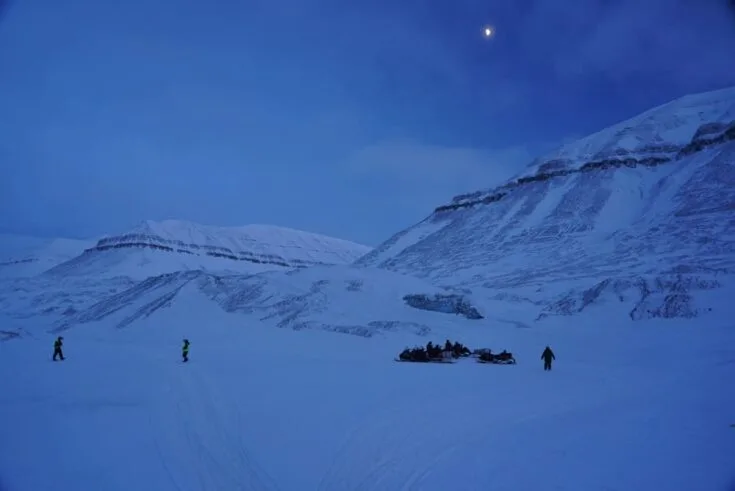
(207, 429)
(407, 454)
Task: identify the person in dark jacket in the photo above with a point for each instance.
(185, 350)
(547, 356)
(57, 348)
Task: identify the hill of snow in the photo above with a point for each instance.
(640, 214)
(22, 256)
(363, 302)
(155, 248)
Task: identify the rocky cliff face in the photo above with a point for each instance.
(646, 207)
(154, 242)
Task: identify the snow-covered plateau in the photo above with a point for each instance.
(618, 251)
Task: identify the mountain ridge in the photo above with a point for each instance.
(647, 217)
(193, 246)
(620, 146)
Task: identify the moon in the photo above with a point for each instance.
(488, 31)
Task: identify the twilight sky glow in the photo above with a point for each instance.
(353, 119)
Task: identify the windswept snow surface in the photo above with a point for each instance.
(265, 409)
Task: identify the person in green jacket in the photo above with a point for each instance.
(547, 356)
(185, 350)
(57, 348)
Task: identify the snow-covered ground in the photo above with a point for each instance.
(625, 408)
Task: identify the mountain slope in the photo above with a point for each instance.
(655, 135)
(22, 256)
(333, 298)
(641, 212)
(155, 248)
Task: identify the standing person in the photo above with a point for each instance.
(547, 356)
(57, 348)
(185, 350)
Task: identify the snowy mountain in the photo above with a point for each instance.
(148, 265)
(155, 248)
(22, 256)
(640, 213)
(638, 216)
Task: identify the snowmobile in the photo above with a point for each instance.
(421, 355)
(504, 358)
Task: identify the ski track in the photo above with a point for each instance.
(412, 444)
(206, 429)
(410, 437)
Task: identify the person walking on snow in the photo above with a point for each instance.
(547, 356)
(185, 350)
(57, 348)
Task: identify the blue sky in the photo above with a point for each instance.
(353, 119)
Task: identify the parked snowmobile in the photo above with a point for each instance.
(503, 358)
(432, 355)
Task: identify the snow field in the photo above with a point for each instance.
(262, 408)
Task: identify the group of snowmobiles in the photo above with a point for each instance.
(450, 352)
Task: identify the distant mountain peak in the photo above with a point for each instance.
(660, 135)
(188, 245)
(188, 231)
(662, 130)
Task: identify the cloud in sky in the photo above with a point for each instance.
(685, 41)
